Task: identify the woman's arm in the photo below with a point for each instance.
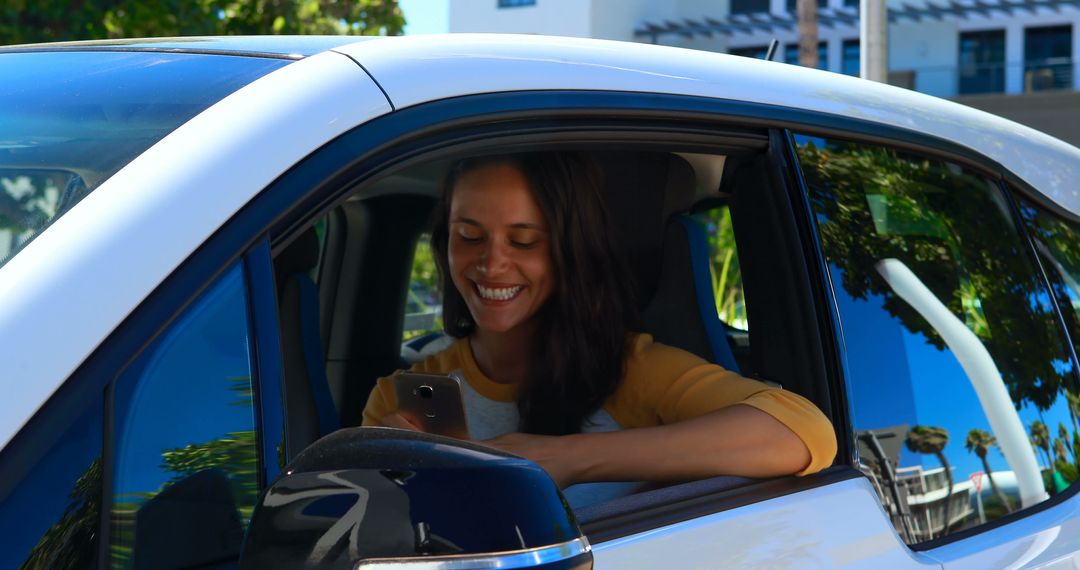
(735, 440)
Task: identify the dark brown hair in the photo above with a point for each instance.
(578, 357)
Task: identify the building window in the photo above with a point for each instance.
(749, 6)
(516, 3)
(982, 62)
(849, 57)
(756, 52)
(1048, 58)
(791, 54)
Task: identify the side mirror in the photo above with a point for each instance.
(380, 498)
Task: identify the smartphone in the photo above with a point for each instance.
(433, 402)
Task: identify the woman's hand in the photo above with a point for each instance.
(554, 453)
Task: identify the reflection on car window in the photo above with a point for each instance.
(959, 373)
(56, 147)
(50, 519)
(184, 490)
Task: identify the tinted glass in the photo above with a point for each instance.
(186, 471)
(956, 357)
(1048, 62)
(849, 58)
(69, 121)
(982, 62)
(51, 518)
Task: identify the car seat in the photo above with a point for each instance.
(309, 407)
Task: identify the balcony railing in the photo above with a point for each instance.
(1021, 77)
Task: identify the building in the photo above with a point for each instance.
(1015, 58)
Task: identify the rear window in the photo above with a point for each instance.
(70, 120)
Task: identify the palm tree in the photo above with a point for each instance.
(932, 440)
(979, 442)
(1040, 438)
(1063, 433)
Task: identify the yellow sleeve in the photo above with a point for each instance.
(664, 385)
(383, 398)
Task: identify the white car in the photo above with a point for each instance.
(208, 245)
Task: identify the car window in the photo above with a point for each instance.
(423, 309)
(50, 518)
(56, 147)
(185, 473)
(959, 376)
(724, 267)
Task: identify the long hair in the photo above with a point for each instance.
(578, 355)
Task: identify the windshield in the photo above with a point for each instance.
(70, 120)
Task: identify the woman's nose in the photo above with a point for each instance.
(493, 260)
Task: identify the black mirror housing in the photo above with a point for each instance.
(379, 493)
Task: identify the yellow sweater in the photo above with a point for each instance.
(662, 385)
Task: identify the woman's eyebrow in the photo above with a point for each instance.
(528, 226)
(469, 221)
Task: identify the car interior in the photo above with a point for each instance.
(344, 281)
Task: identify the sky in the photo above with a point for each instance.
(425, 16)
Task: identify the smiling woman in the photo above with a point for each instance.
(542, 306)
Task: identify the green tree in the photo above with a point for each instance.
(1040, 438)
(932, 440)
(979, 442)
(28, 21)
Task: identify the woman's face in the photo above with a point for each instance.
(500, 248)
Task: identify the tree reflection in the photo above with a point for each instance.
(953, 232)
(70, 543)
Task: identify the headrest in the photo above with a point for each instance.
(300, 256)
(641, 191)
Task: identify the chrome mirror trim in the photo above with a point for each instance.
(527, 558)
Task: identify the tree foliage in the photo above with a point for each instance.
(68, 543)
(952, 228)
(30, 21)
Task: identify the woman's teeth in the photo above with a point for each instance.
(498, 294)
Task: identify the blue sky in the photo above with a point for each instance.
(425, 16)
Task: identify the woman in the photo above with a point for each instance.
(554, 372)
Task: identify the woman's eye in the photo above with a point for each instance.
(523, 244)
(468, 238)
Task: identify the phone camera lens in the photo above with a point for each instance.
(425, 392)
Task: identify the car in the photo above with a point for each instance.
(211, 246)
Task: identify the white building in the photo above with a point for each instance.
(1016, 58)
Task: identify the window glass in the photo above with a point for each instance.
(791, 54)
(70, 120)
(516, 3)
(724, 267)
(982, 62)
(423, 308)
(749, 6)
(51, 518)
(186, 470)
(1048, 60)
(960, 376)
(849, 57)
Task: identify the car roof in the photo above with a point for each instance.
(419, 69)
(287, 47)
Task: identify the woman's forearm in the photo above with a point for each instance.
(737, 440)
